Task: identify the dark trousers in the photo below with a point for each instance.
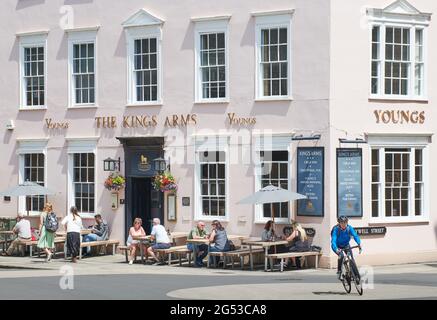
(199, 248)
(73, 243)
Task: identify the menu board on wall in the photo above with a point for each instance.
(310, 181)
(349, 183)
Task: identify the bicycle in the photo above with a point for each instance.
(349, 272)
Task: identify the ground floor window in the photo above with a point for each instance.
(397, 182)
(274, 170)
(34, 171)
(213, 183)
(84, 182)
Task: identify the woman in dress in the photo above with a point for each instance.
(46, 240)
(299, 242)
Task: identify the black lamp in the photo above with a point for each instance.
(111, 164)
(159, 165)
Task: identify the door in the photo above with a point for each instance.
(140, 201)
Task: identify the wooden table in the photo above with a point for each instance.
(197, 242)
(141, 239)
(266, 245)
(83, 232)
(6, 235)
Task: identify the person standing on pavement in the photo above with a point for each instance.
(23, 232)
(73, 225)
(46, 240)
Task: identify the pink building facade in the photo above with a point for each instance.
(331, 98)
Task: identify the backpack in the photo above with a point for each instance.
(338, 230)
(51, 223)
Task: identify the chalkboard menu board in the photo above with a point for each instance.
(349, 182)
(310, 181)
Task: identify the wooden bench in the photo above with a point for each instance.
(287, 255)
(126, 250)
(31, 244)
(106, 243)
(170, 251)
(240, 254)
(221, 255)
(184, 252)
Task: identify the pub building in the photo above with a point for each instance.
(326, 98)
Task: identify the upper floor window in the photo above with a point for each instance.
(273, 39)
(144, 36)
(82, 67)
(398, 51)
(33, 66)
(146, 69)
(211, 60)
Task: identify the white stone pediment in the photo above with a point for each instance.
(400, 10)
(401, 7)
(142, 18)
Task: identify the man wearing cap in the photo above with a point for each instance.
(23, 232)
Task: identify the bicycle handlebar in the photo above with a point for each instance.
(350, 248)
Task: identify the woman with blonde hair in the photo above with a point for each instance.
(46, 240)
(299, 241)
(135, 231)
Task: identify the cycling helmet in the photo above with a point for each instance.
(342, 219)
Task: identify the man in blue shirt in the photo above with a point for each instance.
(340, 237)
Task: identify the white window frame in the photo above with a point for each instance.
(210, 144)
(32, 40)
(30, 146)
(83, 145)
(139, 33)
(272, 20)
(413, 142)
(206, 26)
(412, 22)
(81, 36)
(271, 143)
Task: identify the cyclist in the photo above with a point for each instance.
(340, 237)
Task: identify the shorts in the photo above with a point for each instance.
(161, 246)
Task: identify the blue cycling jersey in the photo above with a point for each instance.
(341, 238)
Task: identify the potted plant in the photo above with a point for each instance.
(165, 182)
(115, 182)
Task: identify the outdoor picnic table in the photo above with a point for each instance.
(83, 232)
(6, 235)
(196, 242)
(266, 245)
(141, 239)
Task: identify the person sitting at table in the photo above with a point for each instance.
(268, 232)
(160, 236)
(218, 239)
(299, 242)
(23, 232)
(99, 232)
(135, 231)
(198, 232)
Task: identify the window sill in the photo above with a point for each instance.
(274, 99)
(84, 106)
(398, 220)
(38, 108)
(378, 98)
(277, 221)
(145, 104)
(210, 219)
(220, 101)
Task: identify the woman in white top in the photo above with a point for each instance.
(73, 226)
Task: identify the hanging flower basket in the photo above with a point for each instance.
(165, 182)
(115, 182)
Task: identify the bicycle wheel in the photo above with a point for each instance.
(357, 278)
(346, 279)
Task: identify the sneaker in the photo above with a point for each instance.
(157, 263)
(131, 262)
(49, 257)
